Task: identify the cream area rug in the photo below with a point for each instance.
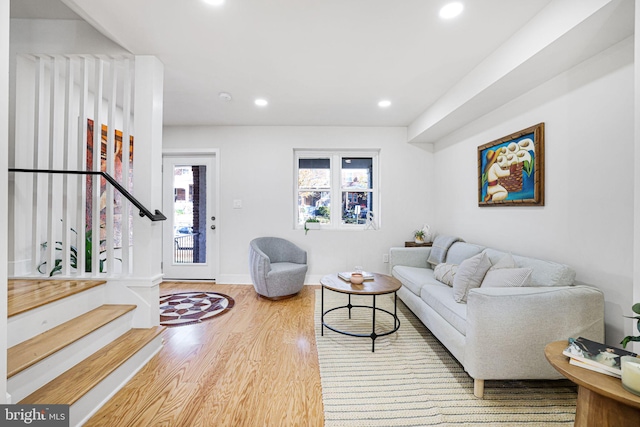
(412, 380)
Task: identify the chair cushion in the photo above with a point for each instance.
(280, 267)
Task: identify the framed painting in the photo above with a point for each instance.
(118, 199)
(511, 169)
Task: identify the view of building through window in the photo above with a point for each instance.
(346, 180)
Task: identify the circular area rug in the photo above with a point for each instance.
(187, 308)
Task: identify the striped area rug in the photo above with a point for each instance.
(412, 380)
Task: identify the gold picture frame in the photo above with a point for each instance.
(511, 169)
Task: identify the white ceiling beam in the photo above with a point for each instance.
(561, 36)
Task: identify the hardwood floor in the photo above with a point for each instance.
(255, 365)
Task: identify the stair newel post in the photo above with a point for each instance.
(147, 236)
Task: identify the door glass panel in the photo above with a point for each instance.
(189, 214)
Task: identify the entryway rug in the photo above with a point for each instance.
(187, 308)
(412, 380)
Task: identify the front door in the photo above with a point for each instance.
(189, 232)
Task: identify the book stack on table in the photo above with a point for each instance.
(596, 356)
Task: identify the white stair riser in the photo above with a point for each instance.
(34, 322)
(34, 377)
(90, 403)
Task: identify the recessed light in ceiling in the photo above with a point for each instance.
(214, 2)
(451, 10)
(224, 96)
(260, 102)
(384, 103)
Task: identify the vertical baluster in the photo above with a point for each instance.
(67, 188)
(96, 181)
(51, 180)
(38, 125)
(81, 195)
(110, 167)
(126, 136)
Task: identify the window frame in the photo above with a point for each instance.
(335, 157)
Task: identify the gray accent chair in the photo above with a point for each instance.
(277, 267)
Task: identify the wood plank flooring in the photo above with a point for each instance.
(255, 365)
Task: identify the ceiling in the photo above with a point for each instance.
(317, 62)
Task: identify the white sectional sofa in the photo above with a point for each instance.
(500, 332)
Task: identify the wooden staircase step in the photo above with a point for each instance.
(77, 381)
(27, 294)
(32, 351)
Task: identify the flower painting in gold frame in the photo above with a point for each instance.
(511, 169)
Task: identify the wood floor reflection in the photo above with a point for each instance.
(255, 365)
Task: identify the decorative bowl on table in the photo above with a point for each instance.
(356, 278)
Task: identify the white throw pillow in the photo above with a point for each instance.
(506, 261)
(469, 275)
(507, 277)
(445, 273)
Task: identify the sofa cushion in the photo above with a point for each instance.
(507, 277)
(441, 244)
(545, 273)
(506, 261)
(470, 274)
(414, 278)
(445, 273)
(440, 298)
(460, 251)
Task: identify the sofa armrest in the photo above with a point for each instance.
(410, 257)
(508, 328)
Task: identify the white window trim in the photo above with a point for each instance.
(336, 188)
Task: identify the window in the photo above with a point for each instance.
(337, 189)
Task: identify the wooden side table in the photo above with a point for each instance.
(602, 401)
(417, 245)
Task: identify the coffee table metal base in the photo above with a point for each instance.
(373, 335)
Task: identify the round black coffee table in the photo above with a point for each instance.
(380, 285)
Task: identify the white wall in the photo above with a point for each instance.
(256, 166)
(587, 221)
(4, 143)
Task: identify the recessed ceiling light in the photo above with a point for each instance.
(261, 102)
(451, 10)
(384, 103)
(214, 2)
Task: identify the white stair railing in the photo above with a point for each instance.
(68, 106)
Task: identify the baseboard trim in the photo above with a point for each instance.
(245, 279)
